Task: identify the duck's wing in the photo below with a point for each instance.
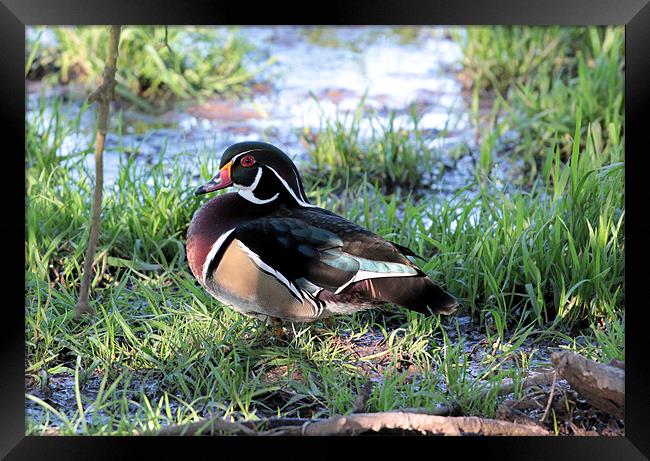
(321, 252)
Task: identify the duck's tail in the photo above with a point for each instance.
(419, 294)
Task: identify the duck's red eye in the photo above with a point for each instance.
(247, 160)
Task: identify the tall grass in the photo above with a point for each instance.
(542, 76)
(559, 90)
(392, 153)
(497, 57)
(554, 254)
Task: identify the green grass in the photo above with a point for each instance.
(495, 57)
(329, 37)
(526, 266)
(198, 61)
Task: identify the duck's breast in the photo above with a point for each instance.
(239, 282)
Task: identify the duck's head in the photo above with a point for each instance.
(260, 172)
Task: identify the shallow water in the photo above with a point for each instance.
(352, 62)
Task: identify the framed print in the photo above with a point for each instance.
(391, 220)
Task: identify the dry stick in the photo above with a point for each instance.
(550, 398)
(448, 425)
(275, 423)
(104, 94)
(507, 386)
(166, 42)
(362, 398)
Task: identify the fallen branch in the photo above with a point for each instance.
(442, 410)
(361, 423)
(206, 427)
(274, 423)
(104, 95)
(601, 385)
(413, 422)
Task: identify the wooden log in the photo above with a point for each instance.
(413, 422)
(361, 423)
(601, 385)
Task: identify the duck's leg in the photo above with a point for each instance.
(278, 331)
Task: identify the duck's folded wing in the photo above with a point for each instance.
(311, 258)
(357, 240)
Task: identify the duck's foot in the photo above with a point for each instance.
(328, 322)
(327, 328)
(278, 331)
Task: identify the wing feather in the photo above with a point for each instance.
(311, 256)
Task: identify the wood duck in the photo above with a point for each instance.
(268, 253)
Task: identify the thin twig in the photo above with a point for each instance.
(210, 425)
(104, 95)
(166, 43)
(550, 398)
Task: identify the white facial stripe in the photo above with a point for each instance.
(290, 190)
(268, 269)
(246, 192)
(363, 275)
(213, 251)
(242, 153)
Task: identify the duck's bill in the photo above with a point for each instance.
(220, 181)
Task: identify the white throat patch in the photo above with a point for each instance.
(250, 196)
(248, 192)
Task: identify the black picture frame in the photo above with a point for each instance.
(634, 14)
